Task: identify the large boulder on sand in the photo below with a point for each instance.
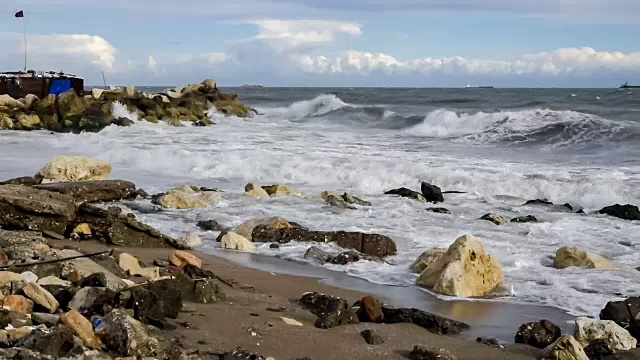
(565, 348)
(588, 330)
(464, 270)
(575, 256)
(74, 168)
(246, 229)
(234, 241)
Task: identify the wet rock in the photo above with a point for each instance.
(588, 330)
(431, 193)
(210, 225)
(317, 255)
(181, 258)
(624, 313)
(566, 347)
(126, 336)
(427, 258)
(464, 270)
(24, 180)
(408, 193)
(13, 318)
(350, 199)
(17, 303)
(347, 257)
(370, 310)
(439, 210)
(429, 353)
(524, 219)
(246, 229)
(538, 334)
(494, 218)
(369, 244)
(538, 202)
(26, 208)
(372, 337)
(114, 227)
(274, 246)
(41, 297)
(93, 300)
(597, 349)
(489, 342)
(49, 320)
(186, 197)
(431, 322)
(574, 256)
(74, 168)
(94, 191)
(189, 241)
(57, 341)
(331, 311)
(82, 328)
(255, 191)
(339, 203)
(233, 241)
(626, 212)
(280, 190)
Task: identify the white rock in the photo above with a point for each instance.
(190, 241)
(29, 277)
(52, 280)
(129, 264)
(565, 348)
(96, 93)
(151, 272)
(587, 330)
(41, 297)
(7, 277)
(74, 168)
(9, 103)
(290, 321)
(234, 241)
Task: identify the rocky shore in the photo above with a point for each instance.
(83, 279)
(69, 112)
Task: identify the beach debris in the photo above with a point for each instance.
(494, 218)
(575, 256)
(430, 353)
(372, 337)
(331, 311)
(588, 330)
(625, 212)
(431, 193)
(538, 334)
(464, 270)
(566, 347)
(290, 321)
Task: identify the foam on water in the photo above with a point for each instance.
(272, 149)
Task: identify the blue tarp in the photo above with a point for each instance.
(59, 86)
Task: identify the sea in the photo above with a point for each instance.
(500, 147)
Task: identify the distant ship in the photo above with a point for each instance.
(251, 86)
(627, 86)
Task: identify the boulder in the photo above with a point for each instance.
(430, 353)
(338, 202)
(41, 297)
(189, 241)
(10, 337)
(78, 269)
(70, 105)
(48, 320)
(598, 349)
(408, 193)
(372, 337)
(129, 264)
(280, 190)
(524, 219)
(538, 202)
(17, 303)
(57, 341)
(588, 330)
(25, 208)
(331, 311)
(234, 241)
(28, 122)
(464, 270)
(96, 93)
(626, 212)
(369, 244)
(82, 328)
(74, 168)
(624, 313)
(94, 191)
(209, 84)
(538, 334)
(52, 280)
(232, 107)
(246, 229)
(565, 348)
(210, 225)
(370, 310)
(431, 193)
(182, 198)
(126, 336)
(8, 103)
(575, 256)
(255, 191)
(47, 111)
(153, 301)
(93, 300)
(433, 323)
(6, 123)
(24, 246)
(317, 255)
(13, 318)
(494, 218)
(181, 258)
(427, 258)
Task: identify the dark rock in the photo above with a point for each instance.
(222, 234)
(568, 206)
(240, 354)
(63, 294)
(26, 208)
(94, 191)
(494, 218)
(49, 320)
(113, 227)
(154, 301)
(57, 341)
(195, 272)
(599, 348)
(581, 211)
(22, 246)
(408, 193)
(370, 310)
(524, 219)
(538, 202)
(143, 207)
(337, 202)
(489, 342)
(626, 212)
(210, 225)
(24, 180)
(126, 336)
(331, 311)
(431, 322)
(13, 318)
(624, 313)
(370, 244)
(439, 210)
(350, 199)
(205, 291)
(274, 246)
(317, 255)
(372, 337)
(93, 300)
(538, 334)
(346, 257)
(161, 263)
(93, 280)
(431, 193)
(428, 353)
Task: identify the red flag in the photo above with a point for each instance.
(20, 14)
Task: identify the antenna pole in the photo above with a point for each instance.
(104, 80)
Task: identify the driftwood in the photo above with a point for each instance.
(4, 267)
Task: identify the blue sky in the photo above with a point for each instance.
(331, 42)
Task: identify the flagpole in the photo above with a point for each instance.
(24, 23)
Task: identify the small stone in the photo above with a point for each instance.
(494, 218)
(83, 230)
(52, 280)
(150, 272)
(10, 337)
(29, 277)
(210, 225)
(290, 321)
(17, 303)
(489, 342)
(428, 353)
(180, 258)
(126, 336)
(371, 337)
(49, 320)
(346, 258)
(274, 246)
(317, 255)
(538, 334)
(370, 310)
(41, 297)
(82, 328)
(129, 264)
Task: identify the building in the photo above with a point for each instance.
(20, 84)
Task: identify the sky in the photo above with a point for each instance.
(380, 43)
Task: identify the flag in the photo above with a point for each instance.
(20, 14)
